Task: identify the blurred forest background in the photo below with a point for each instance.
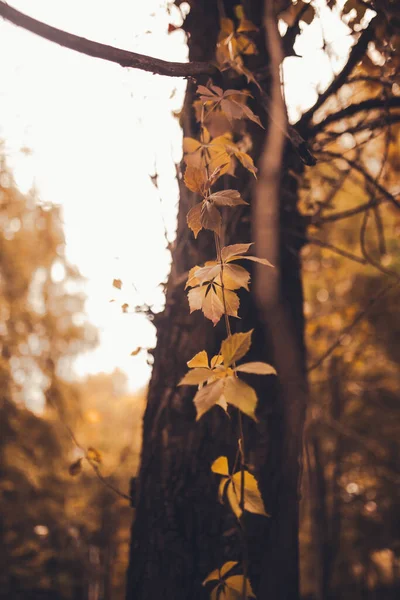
(65, 535)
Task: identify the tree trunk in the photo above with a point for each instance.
(181, 532)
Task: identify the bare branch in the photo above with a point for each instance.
(355, 56)
(354, 165)
(352, 109)
(102, 51)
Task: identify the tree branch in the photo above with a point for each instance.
(102, 51)
(352, 109)
(354, 165)
(355, 56)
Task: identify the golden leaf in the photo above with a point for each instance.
(220, 466)
(94, 455)
(235, 347)
(241, 395)
(195, 376)
(199, 360)
(193, 219)
(258, 368)
(207, 397)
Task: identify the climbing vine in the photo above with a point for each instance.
(212, 287)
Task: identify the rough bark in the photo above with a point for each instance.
(180, 531)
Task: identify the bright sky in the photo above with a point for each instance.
(97, 131)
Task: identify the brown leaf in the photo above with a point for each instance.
(117, 283)
(210, 217)
(195, 179)
(193, 219)
(227, 198)
(75, 468)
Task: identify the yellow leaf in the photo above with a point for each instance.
(229, 300)
(262, 261)
(258, 368)
(216, 360)
(229, 251)
(235, 277)
(199, 360)
(228, 566)
(220, 466)
(214, 575)
(235, 582)
(212, 306)
(136, 351)
(196, 298)
(233, 498)
(192, 279)
(193, 219)
(195, 376)
(235, 347)
(246, 161)
(195, 179)
(241, 395)
(252, 497)
(208, 273)
(207, 397)
(94, 455)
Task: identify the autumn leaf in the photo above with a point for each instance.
(235, 347)
(196, 376)
(207, 397)
(199, 360)
(252, 498)
(212, 306)
(232, 103)
(240, 394)
(196, 297)
(193, 219)
(257, 368)
(196, 179)
(136, 351)
(220, 466)
(75, 468)
(117, 283)
(210, 217)
(94, 455)
(227, 198)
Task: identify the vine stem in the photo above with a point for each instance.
(218, 249)
(240, 421)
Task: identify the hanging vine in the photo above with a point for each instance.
(213, 287)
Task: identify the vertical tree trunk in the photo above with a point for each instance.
(180, 531)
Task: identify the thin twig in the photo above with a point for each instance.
(359, 316)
